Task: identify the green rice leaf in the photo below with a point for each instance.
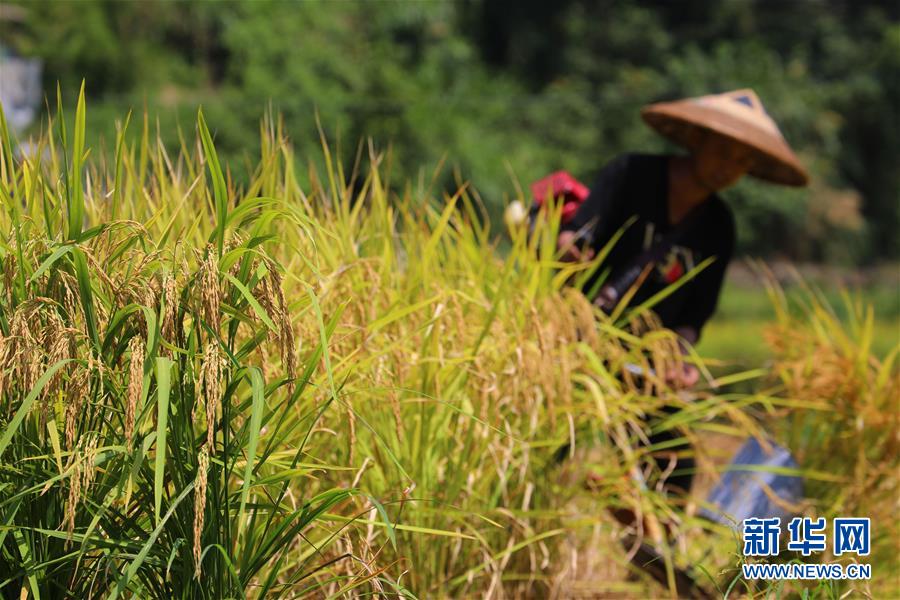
(134, 565)
(25, 407)
(8, 175)
(257, 387)
(163, 384)
(401, 527)
(215, 171)
(82, 274)
(50, 260)
(120, 168)
(10, 514)
(76, 205)
(402, 312)
(25, 553)
(253, 302)
(7, 162)
(387, 522)
(53, 434)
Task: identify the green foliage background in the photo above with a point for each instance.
(503, 88)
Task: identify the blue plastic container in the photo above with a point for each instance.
(741, 492)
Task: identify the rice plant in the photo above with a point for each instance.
(844, 430)
(155, 415)
(317, 384)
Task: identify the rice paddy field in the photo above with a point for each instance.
(342, 389)
(736, 332)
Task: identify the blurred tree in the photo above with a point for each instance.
(526, 86)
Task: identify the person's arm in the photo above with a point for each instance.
(594, 213)
(689, 375)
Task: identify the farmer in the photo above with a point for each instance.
(680, 219)
(672, 217)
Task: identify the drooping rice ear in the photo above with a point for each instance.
(22, 348)
(209, 382)
(80, 480)
(87, 468)
(135, 384)
(76, 391)
(69, 301)
(210, 289)
(55, 342)
(72, 500)
(270, 294)
(266, 298)
(286, 331)
(200, 506)
(235, 241)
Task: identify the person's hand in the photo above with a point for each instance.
(686, 377)
(606, 298)
(566, 241)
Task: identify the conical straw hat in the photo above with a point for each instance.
(739, 116)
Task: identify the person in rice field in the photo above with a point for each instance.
(672, 215)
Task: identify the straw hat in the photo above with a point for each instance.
(739, 116)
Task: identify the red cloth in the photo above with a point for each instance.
(560, 185)
(675, 272)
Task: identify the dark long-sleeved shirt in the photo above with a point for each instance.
(637, 185)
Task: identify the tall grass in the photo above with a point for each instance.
(847, 427)
(333, 389)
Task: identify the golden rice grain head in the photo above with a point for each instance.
(210, 290)
(69, 297)
(88, 459)
(74, 498)
(266, 298)
(58, 344)
(286, 333)
(236, 240)
(212, 369)
(98, 269)
(584, 320)
(76, 391)
(149, 295)
(135, 384)
(200, 505)
(263, 294)
(8, 271)
(23, 347)
(170, 307)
